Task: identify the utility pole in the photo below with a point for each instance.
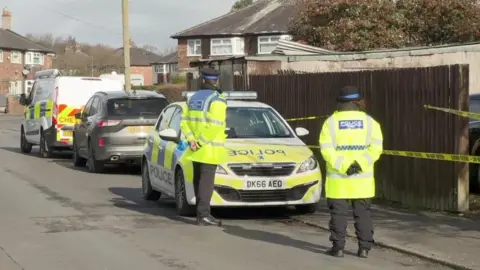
(126, 44)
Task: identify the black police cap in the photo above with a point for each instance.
(349, 93)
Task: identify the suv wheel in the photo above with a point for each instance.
(183, 208)
(94, 165)
(45, 151)
(25, 147)
(78, 161)
(147, 191)
(306, 209)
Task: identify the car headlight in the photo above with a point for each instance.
(221, 170)
(308, 165)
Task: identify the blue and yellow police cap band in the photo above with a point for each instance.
(352, 96)
(210, 77)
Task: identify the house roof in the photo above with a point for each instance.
(168, 59)
(141, 57)
(261, 17)
(12, 40)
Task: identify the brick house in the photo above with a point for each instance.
(165, 67)
(253, 30)
(141, 62)
(19, 59)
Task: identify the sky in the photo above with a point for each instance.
(152, 22)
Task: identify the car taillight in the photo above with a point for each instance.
(108, 123)
(54, 121)
(101, 142)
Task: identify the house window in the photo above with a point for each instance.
(173, 68)
(32, 58)
(15, 57)
(15, 88)
(1, 56)
(227, 46)
(267, 45)
(194, 47)
(160, 69)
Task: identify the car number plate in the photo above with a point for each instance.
(67, 133)
(264, 184)
(139, 129)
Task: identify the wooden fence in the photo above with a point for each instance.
(395, 98)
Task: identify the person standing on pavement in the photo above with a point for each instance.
(203, 124)
(351, 141)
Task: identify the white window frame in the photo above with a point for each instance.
(192, 45)
(19, 54)
(15, 88)
(236, 50)
(29, 56)
(158, 71)
(269, 42)
(1, 56)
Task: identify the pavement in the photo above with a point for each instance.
(55, 216)
(450, 240)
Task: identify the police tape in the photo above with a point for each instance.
(306, 118)
(471, 115)
(410, 154)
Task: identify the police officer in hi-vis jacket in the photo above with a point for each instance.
(203, 124)
(351, 142)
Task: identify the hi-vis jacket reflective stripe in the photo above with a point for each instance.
(40, 109)
(346, 137)
(203, 121)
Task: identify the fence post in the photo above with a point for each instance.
(189, 79)
(462, 136)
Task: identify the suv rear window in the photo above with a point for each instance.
(125, 107)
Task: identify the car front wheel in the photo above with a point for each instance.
(25, 147)
(183, 208)
(147, 191)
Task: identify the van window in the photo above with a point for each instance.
(43, 91)
(125, 107)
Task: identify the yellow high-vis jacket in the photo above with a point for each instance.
(346, 137)
(204, 121)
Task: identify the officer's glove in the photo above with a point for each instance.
(354, 169)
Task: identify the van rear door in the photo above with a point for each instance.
(71, 95)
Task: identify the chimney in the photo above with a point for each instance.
(77, 48)
(6, 19)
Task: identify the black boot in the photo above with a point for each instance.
(362, 253)
(208, 221)
(335, 252)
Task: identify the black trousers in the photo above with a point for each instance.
(339, 217)
(203, 181)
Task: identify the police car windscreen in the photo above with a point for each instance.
(132, 108)
(254, 122)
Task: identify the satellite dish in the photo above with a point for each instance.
(25, 72)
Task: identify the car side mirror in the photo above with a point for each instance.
(169, 135)
(23, 100)
(79, 116)
(301, 131)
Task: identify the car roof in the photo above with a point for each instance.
(237, 103)
(475, 96)
(136, 93)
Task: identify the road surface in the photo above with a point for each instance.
(55, 216)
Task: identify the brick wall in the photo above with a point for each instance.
(147, 73)
(13, 72)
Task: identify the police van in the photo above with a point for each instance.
(267, 163)
(50, 109)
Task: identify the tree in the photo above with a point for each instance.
(151, 48)
(241, 4)
(357, 25)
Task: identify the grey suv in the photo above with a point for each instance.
(113, 128)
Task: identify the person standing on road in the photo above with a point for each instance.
(203, 124)
(351, 141)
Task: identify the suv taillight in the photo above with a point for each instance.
(54, 121)
(108, 123)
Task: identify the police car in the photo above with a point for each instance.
(267, 164)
